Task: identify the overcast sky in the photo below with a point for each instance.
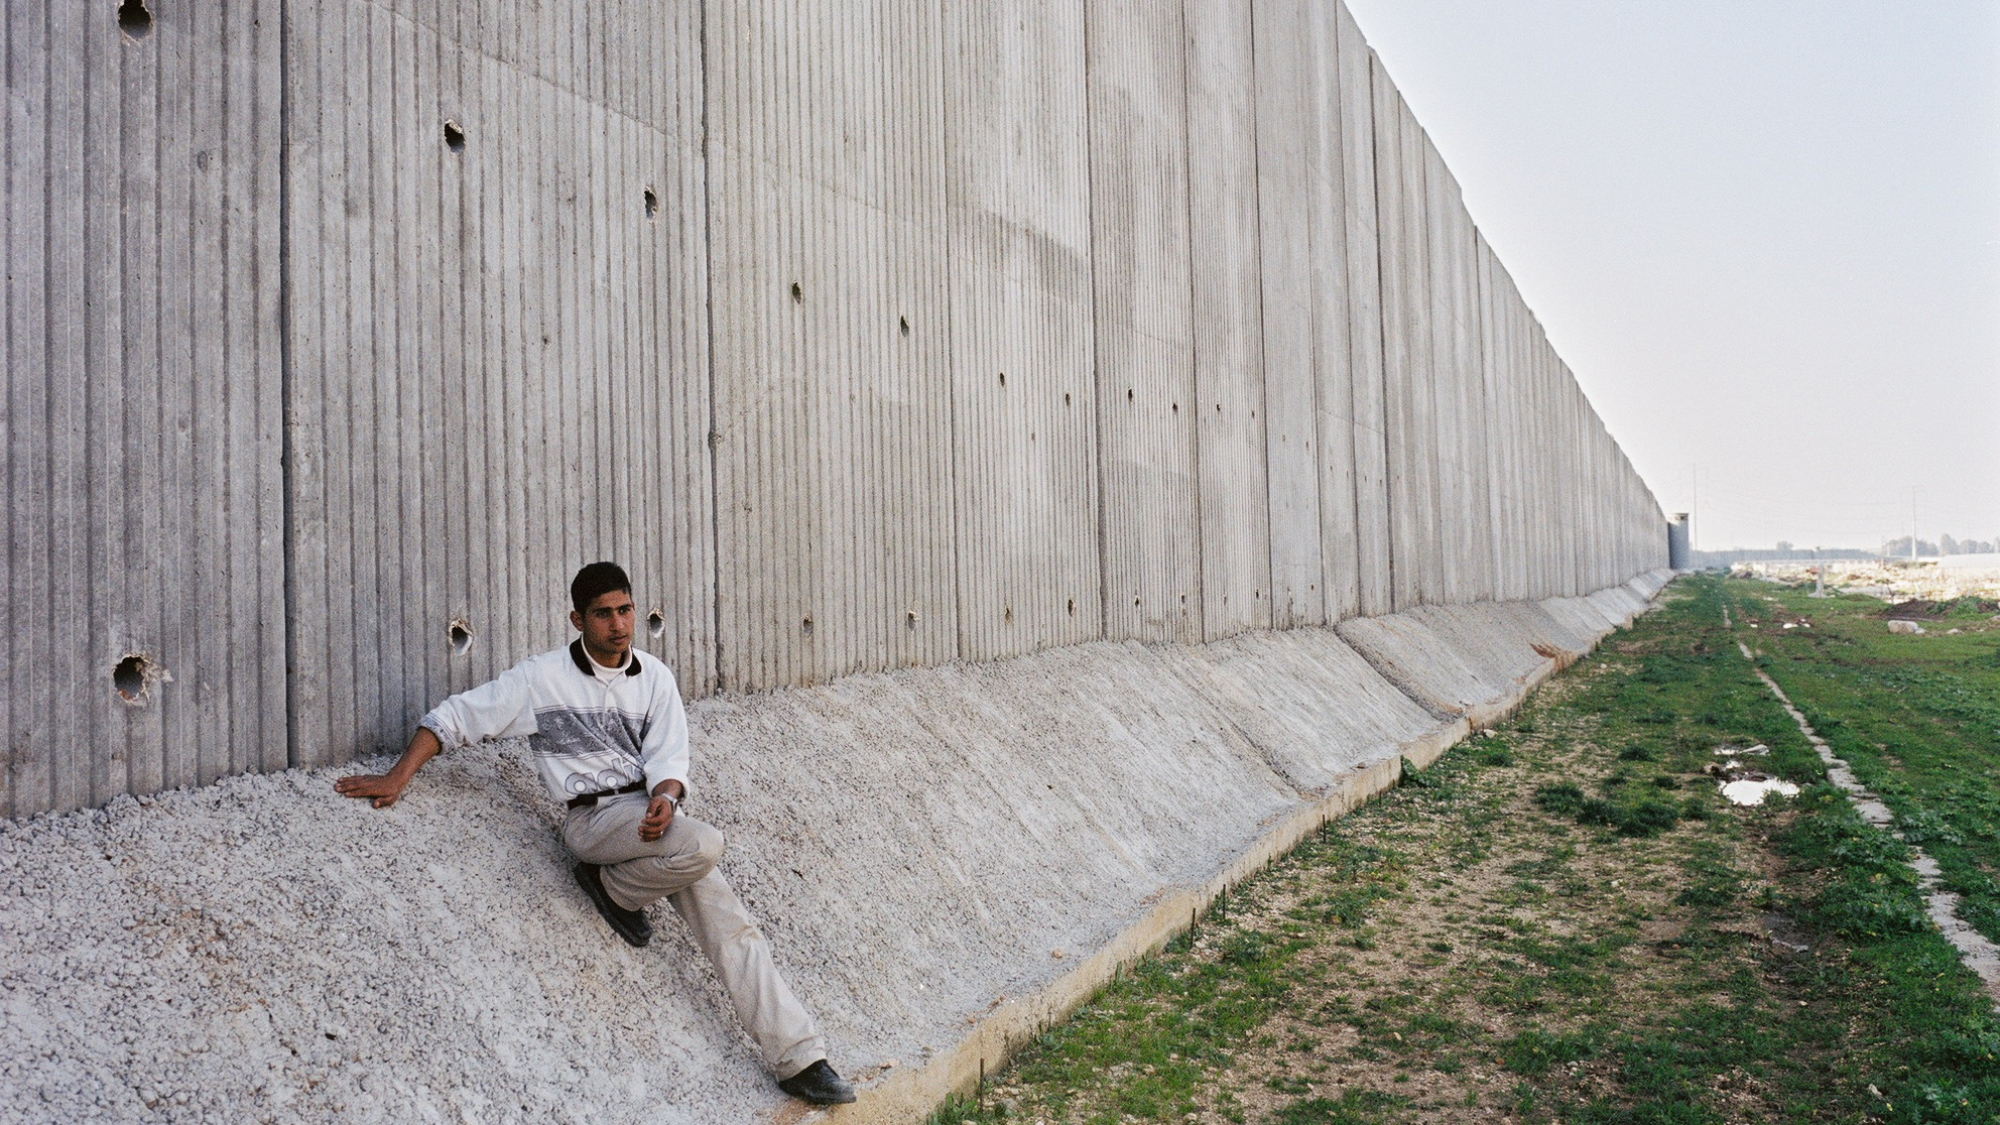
(1765, 235)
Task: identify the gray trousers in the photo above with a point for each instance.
(680, 867)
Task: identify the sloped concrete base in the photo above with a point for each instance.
(945, 860)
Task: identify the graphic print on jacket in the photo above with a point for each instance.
(588, 734)
(588, 751)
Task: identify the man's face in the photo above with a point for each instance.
(606, 624)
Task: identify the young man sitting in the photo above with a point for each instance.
(610, 739)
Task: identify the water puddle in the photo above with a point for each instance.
(1753, 788)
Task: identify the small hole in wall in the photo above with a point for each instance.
(1003, 378)
(1177, 408)
(454, 136)
(134, 19)
(1009, 615)
(903, 325)
(1072, 607)
(910, 619)
(806, 625)
(656, 624)
(459, 633)
(652, 204)
(1128, 394)
(798, 294)
(129, 677)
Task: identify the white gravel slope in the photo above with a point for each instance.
(917, 845)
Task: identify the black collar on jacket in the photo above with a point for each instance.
(582, 660)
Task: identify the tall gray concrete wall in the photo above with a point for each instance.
(867, 334)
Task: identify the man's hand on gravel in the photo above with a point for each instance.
(379, 787)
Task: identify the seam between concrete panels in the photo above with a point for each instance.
(715, 683)
(1381, 335)
(286, 479)
(1096, 338)
(951, 291)
(1194, 350)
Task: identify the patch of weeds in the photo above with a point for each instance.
(1289, 1084)
(1534, 1052)
(1638, 752)
(1646, 817)
(1353, 1107)
(1712, 886)
(1563, 798)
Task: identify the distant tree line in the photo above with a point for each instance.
(1945, 545)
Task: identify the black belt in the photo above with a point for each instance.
(593, 798)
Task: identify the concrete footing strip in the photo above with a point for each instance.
(1978, 954)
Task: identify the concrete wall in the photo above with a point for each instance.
(866, 334)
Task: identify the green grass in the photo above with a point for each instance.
(1562, 921)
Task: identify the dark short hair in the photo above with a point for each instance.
(595, 581)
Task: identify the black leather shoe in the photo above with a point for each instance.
(819, 1085)
(628, 924)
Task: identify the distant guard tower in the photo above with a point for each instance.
(1677, 541)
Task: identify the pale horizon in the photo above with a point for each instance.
(1765, 236)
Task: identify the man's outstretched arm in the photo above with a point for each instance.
(384, 788)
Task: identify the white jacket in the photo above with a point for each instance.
(588, 736)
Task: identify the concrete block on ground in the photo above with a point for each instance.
(1579, 614)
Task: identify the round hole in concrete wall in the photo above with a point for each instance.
(656, 624)
(1072, 607)
(1128, 394)
(454, 136)
(1003, 378)
(134, 19)
(130, 675)
(652, 204)
(459, 635)
(1065, 398)
(806, 625)
(798, 294)
(910, 619)
(903, 325)
(1008, 616)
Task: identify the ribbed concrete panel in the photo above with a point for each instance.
(834, 469)
(1151, 519)
(498, 343)
(1295, 205)
(1370, 581)
(1227, 282)
(1024, 402)
(1409, 362)
(1446, 375)
(1331, 298)
(142, 408)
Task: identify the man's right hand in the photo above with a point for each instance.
(378, 787)
(384, 788)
